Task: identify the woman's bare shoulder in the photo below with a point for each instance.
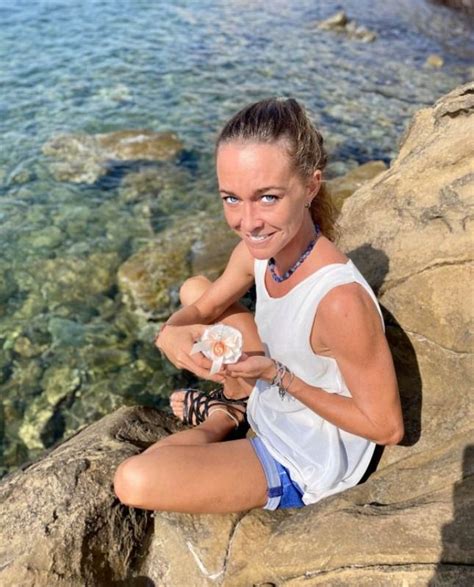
(328, 253)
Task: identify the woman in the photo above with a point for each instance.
(320, 373)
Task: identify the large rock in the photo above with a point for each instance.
(150, 279)
(85, 158)
(409, 524)
(62, 525)
(341, 188)
(410, 232)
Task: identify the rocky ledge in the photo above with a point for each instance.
(409, 524)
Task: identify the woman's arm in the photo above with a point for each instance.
(186, 325)
(349, 326)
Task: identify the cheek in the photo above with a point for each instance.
(231, 217)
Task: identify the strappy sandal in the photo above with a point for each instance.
(197, 406)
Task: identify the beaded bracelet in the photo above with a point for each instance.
(281, 371)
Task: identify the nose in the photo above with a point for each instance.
(250, 220)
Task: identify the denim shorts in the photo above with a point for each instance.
(282, 491)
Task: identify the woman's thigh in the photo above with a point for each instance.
(208, 478)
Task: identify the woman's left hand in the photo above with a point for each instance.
(255, 367)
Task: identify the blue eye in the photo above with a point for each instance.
(230, 200)
(269, 199)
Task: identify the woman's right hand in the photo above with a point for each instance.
(176, 343)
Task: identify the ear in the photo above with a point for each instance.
(314, 183)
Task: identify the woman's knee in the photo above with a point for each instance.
(192, 289)
(130, 483)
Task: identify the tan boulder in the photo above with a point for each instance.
(409, 524)
(341, 188)
(61, 523)
(409, 231)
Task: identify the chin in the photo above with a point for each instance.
(259, 254)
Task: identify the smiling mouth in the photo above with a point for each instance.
(259, 238)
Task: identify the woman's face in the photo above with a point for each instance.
(264, 197)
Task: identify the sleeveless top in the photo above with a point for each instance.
(320, 457)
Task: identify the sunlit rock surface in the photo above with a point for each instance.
(341, 188)
(410, 232)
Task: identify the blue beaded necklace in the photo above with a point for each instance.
(294, 267)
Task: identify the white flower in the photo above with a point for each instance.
(221, 344)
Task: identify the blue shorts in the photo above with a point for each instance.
(282, 491)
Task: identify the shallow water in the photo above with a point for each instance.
(68, 351)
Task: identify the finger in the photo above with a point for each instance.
(203, 372)
(234, 373)
(200, 360)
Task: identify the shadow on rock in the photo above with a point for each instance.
(456, 564)
(374, 264)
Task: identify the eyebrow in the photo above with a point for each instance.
(257, 192)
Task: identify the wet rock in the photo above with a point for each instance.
(118, 93)
(76, 220)
(24, 347)
(46, 238)
(59, 381)
(85, 158)
(343, 187)
(25, 377)
(66, 332)
(70, 279)
(435, 61)
(340, 23)
(143, 184)
(109, 359)
(335, 22)
(8, 286)
(37, 416)
(150, 279)
(42, 422)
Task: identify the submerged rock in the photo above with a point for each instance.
(435, 61)
(335, 22)
(340, 23)
(85, 158)
(71, 279)
(150, 279)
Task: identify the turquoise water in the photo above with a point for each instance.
(69, 350)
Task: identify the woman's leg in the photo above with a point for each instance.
(218, 477)
(238, 317)
(193, 470)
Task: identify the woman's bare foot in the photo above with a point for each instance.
(193, 406)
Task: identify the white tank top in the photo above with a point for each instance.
(321, 458)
